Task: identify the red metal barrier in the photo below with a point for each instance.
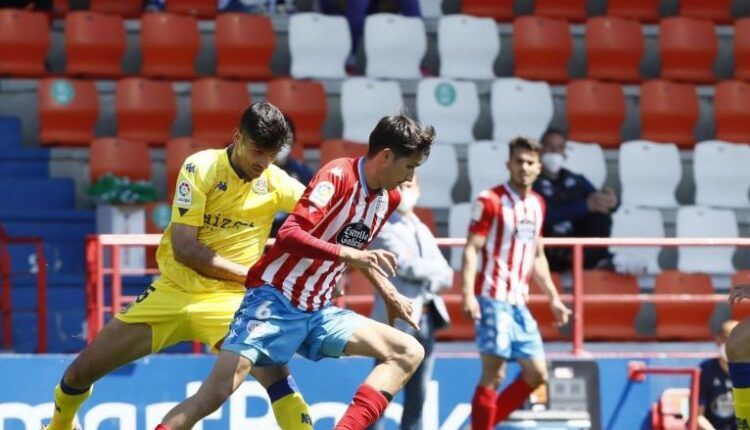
(637, 371)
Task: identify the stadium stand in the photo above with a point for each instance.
(319, 45)
(669, 112)
(145, 110)
(614, 48)
(169, 45)
(596, 112)
(29, 30)
(244, 46)
(520, 107)
(94, 44)
(451, 106)
(68, 110)
(541, 48)
(688, 48)
(468, 47)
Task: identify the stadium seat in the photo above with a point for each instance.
(94, 44)
(427, 216)
(721, 173)
(683, 321)
(216, 108)
(614, 48)
(119, 157)
(571, 10)
(363, 102)
(319, 45)
(176, 151)
(669, 112)
(169, 45)
(339, 148)
(718, 11)
(520, 107)
(124, 8)
(452, 107)
(145, 110)
(486, 165)
(596, 112)
(468, 47)
(586, 159)
(741, 310)
(688, 48)
(631, 221)
(244, 46)
(431, 8)
(458, 226)
(68, 110)
(199, 8)
(438, 175)
(609, 321)
(499, 10)
(698, 221)
(29, 30)
(542, 312)
(305, 104)
(742, 49)
(394, 46)
(642, 10)
(732, 111)
(649, 173)
(541, 48)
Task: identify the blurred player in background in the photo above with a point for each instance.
(506, 225)
(716, 410)
(738, 354)
(224, 204)
(287, 307)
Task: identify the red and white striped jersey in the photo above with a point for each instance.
(337, 207)
(512, 226)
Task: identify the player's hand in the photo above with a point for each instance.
(471, 308)
(560, 311)
(381, 261)
(398, 306)
(738, 293)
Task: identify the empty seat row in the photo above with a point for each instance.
(134, 8)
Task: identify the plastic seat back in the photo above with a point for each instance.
(199, 8)
(607, 321)
(364, 102)
(571, 10)
(305, 104)
(319, 45)
(683, 321)
(68, 111)
(468, 47)
(437, 176)
(742, 49)
(520, 107)
(145, 110)
(669, 112)
(596, 112)
(588, 160)
(119, 157)
(499, 10)
(732, 111)
(94, 44)
(124, 8)
(718, 11)
(169, 45)
(541, 48)
(721, 175)
(452, 107)
(614, 48)
(703, 222)
(24, 42)
(486, 165)
(394, 46)
(649, 173)
(688, 48)
(642, 10)
(631, 221)
(244, 46)
(216, 108)
(339, 148)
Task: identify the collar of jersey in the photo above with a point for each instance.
(361, 173)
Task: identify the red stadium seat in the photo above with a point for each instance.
(642, 10)
(94, 44)
(339, 148)
(359, 294)
(124, 8)
(24, 41)
(543, 313)
(244, 46)
(177, 150)
(306, 106)
(541, 48)
(119, 157)
(669, 112)
(688, 48)
(169, 45)
(742, 49)
(199, 8)
(718, 11)
(596, 112)
(68, 110)
(742, 309)
(216, 108)
(145, 110)
(427, 216)
(572, 10)
(732, 111)
(609, 321)
(499, 10)
(614, 48)
(683, 321)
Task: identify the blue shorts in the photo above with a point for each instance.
(508, 331)
(267, 329)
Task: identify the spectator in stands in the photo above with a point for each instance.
(421, 273)
(574, 207)
(357, 10)
(716, 410)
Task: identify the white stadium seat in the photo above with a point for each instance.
(698, 221)
(587, 159)
(649, 173)
(458, 226)
(468, 47)
(520, 107)
(486, 163)
(319, 45)
(437, 176)
(363, 102)
(722, 174)
(431, 8)
(452, 107)
(638, 222)
(394, 46)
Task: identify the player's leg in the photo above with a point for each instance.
(483, 403)
(738, 353)
(533, 374)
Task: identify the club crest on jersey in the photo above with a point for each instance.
(184, 195)
(322, 193)
(354, 235)
(260, 186)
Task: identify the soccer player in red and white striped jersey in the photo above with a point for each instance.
(505, 228)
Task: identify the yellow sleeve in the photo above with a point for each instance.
(189, 202)
(290, 191)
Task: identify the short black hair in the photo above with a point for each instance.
(402, 135)
(552, 130)
(525, 143)
(266, 126)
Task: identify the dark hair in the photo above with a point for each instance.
(552, 130)
(266, 126)
(402, 135)
(525, 143)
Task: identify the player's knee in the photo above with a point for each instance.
(535, 378)
(410, 353)
(738, 343)
(492, 378)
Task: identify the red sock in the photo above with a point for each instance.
(162, 427)
(366, 407)
(483, 408)
(511, 398)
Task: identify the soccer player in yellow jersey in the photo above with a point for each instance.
(223, 208)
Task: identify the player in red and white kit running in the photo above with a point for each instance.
(287, 307)
(506, 226)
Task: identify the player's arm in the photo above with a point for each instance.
(543, 278)
(396, 305)
(474, 243)
(188, 250)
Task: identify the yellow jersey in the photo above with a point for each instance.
(234, 216)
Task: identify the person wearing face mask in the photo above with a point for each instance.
(421, 273)
(716, 403)
(574, 207)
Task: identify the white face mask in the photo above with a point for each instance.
(553, 162)
(408, 201)
(282, 155)
(723, 351)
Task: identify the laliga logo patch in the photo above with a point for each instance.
(476, 211)
(354, 235)
(260, 186)
(184, 195)
(322, 193)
